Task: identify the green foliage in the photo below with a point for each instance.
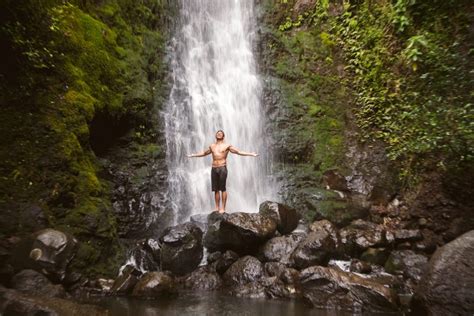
(408, 64)
(303, 60)
(412, 80)
(289, 23)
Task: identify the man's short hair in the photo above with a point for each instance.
(220, 131)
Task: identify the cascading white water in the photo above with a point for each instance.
(215, 86)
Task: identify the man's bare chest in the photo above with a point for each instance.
(220, 150)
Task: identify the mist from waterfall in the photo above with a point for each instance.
(215, 86)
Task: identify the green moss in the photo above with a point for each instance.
(313, 92)
(73, 62)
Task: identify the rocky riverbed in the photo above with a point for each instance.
(365, 266)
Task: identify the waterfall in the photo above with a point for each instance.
(215, 86)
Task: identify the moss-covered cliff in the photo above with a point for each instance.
(76, 77)
(376, 93)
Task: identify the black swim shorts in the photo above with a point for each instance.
(218, 178)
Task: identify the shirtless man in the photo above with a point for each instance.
(219, 151)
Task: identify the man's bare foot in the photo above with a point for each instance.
(221, 211)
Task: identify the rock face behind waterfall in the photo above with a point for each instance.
(240, 232)
(181, 248)
(447, 287)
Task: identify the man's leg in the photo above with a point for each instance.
(217, 198)
(224, 200)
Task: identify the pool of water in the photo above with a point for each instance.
(209, 303)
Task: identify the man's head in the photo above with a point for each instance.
(220, 135)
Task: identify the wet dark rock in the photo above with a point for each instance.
(278, 281)
(333, 180)
(403, 235)
(16, 303)
(144, 258)
(447, 287)
(279, 249)
(203, 278)
(71, 279)
(276, 288)
(332, 288)
(407, 263)
(224, 261)
(361, 235)
(126, 281)
(284, 273)
(153, 246)
(404, 246)
(154, 284)
(181, 248)
(213, 257)
(247, 269)
(47, 250)
(240, 232)
(430, 242)
(317, 247)
(360, 266)
(457, 227)
(35, 283)
(286, 218)
(6, 273)
(139, 194)
(376, 255)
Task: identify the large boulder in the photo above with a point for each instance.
(406, 262)
(279, 249)
(35, 283)
(203, 278)
(181, 248)
(286, 218)
(332, 288)
(247, 269)
(361, 235)
(244, 278)
(447, 287)
(240, 232)
(317, 247)
(16, 303)
(154, 284)
(47, 250)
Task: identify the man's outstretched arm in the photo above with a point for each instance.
(201, 154)
(241, 153)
